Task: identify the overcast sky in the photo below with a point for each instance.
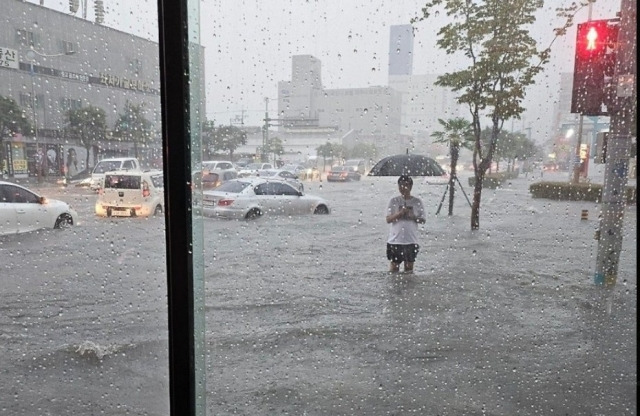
(249, 44)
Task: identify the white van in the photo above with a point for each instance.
(109, 165)
(131, 194)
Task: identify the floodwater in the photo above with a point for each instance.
(302, 317)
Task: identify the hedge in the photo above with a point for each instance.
(574, 192)
(494, 180)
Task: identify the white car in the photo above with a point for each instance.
(131, 194)
(108, 165)
(248, 198)
(253, 168)
(217, 165)
(22, 210)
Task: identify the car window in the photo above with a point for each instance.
(5, 193)
(233, 187)
(18, 195)
(106, 166)
(128, 164)
(122, 181)
(230, 175)
(158, 181)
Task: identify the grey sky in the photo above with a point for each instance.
(249, 44)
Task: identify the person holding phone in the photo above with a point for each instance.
(404, 213)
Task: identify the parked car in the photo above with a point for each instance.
(214, 178)
(298, 170)
(252, 169)
(343, 174)
(282, 174)
(242, 162)
(109, 165)
(217, 165)
(359, 165)
(23, 210)
(249, 198)
(131, 194)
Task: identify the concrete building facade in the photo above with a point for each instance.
(53, 62)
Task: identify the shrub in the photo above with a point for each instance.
(494, 180)
(574, 192)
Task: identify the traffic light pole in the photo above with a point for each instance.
(622, 113)
(576, 161)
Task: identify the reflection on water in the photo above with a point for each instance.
(303, 318)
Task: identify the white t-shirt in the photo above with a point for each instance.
(404, 231)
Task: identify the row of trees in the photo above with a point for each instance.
(503, 59)
(458, 134)
(88, 125)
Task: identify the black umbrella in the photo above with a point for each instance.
(407, 164)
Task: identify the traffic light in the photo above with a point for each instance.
(595, 61)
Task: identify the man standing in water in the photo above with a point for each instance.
(404, 213)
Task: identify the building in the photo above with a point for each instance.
(53, 62)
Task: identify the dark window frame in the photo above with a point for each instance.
(175, 73)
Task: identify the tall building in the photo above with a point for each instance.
(310, 115)
(423, 103)
(401, 50)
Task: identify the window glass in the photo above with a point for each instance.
(343, 301)
(122, 182)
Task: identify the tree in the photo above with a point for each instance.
(88, 125)
(274, 147)
(457, 134)
(223, 138)
(512, 146)
(12, 120)
(133, 126)
(363, 151)
(493, 36)
(330, 151)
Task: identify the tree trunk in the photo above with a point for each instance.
(475, 206)
(455, 152)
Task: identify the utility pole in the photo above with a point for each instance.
(265, 133)
(622, 109)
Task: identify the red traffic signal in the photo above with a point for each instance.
(592, 39)
(596, 42)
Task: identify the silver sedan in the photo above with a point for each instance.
(249, 198)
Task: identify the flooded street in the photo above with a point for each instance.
(303, 318)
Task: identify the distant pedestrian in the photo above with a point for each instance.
(404, 213)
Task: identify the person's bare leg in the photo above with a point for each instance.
(394, 267)
(408, 267)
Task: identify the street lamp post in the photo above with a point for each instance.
(31, 56)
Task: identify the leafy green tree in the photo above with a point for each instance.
(363, 151)
(330, 151)
(12, 120)
(493, 35)
(223, 138)
(133, 126)
(274, 147)
(88, 125)
(515, 145)
(456, 133)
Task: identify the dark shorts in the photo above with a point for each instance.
(399, 253)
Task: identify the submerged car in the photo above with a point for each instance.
(248, 198)
(343, 174)
(252, 169)
(22, 210)
(131, 194)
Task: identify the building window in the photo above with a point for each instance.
(69, 48)
(136, 66)
(25, 100)
(70, 104)
(27, 38)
